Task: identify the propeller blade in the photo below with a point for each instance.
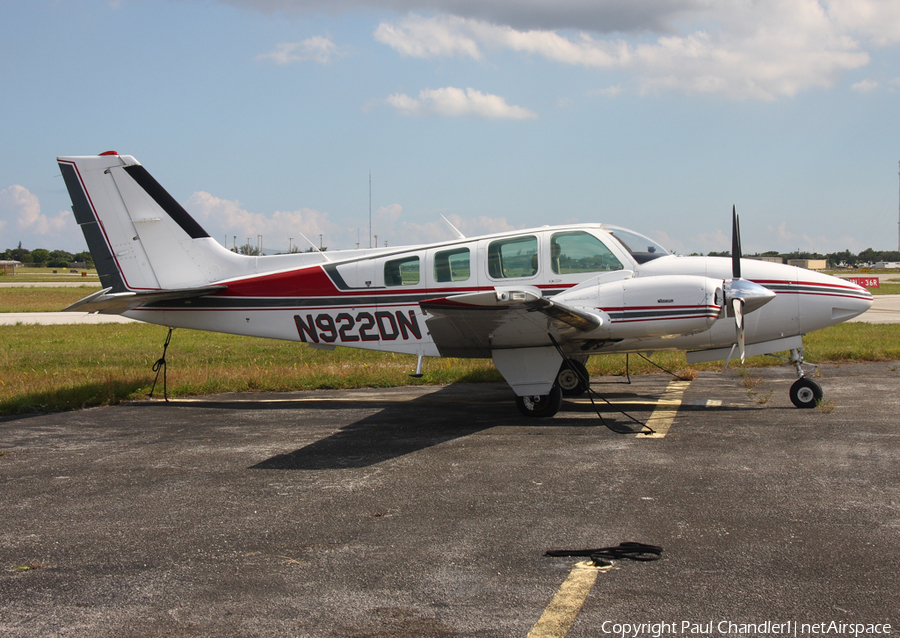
(738, 306)
(735, 244)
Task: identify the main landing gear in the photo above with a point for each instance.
(805, 393)
(541, 406)
(571, 381)
(573, 378)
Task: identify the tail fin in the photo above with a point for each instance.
(140, 237)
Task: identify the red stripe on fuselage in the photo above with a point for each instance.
(306, 282)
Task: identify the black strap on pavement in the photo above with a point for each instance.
(603, 556)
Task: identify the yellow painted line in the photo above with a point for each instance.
(559, 615)
(666, 409)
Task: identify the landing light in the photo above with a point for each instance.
(511, 295)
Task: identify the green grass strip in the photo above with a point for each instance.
(54, 368)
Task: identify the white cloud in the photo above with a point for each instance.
(454, 102)
(786, 240)
(715, 241)
(419, 37)
(316, 49)
(392, 225)
(761, 50)
(226, 218)
(17, 202)
(865, 86)
(878, 20)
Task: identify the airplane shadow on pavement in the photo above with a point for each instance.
(402, 428)
(450, 413)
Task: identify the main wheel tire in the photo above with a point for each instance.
(573, 378)
(806, 393)
(541, 406)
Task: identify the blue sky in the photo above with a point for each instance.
(265, 117)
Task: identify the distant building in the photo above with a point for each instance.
(887, 264)
(771, 260)
(809, 264)
(9, 265)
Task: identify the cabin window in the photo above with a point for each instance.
(451, 265)
(516, 257)
(577, 251)
(401, 272)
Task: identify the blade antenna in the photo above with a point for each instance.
(455, 230)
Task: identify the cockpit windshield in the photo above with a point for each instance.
(643, 249)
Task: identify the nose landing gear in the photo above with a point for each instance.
(805, 393)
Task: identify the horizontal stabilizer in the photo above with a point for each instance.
(115, 303)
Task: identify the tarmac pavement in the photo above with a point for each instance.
(426, 511)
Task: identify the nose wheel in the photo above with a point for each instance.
(805, 393)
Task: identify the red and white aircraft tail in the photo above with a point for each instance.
(145, 245)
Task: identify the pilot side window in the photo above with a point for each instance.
(515, 257)
(577, 251)
(401, 272)
(451, 265)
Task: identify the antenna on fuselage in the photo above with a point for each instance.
(455, 230)
(318, 249)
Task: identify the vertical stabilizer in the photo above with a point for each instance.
(140, 237)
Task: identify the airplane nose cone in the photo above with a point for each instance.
(840, 298)
(753, 295)
(851, 301)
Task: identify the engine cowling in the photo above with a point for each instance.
(651, 307)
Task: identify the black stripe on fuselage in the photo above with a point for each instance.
(814, 289)
(145, 180)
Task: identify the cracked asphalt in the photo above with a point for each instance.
(426, 511)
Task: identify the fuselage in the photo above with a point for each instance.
(372, 299)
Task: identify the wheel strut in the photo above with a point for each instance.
(797, 360)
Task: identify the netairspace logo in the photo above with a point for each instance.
(729, 628)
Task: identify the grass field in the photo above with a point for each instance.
(53, 368)
(43, 299)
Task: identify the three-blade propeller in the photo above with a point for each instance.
(741, 295)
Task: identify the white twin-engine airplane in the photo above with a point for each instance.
(538, 302)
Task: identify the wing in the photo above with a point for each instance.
(115, 303)
(475, 324)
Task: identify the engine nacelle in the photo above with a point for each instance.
(651, 307)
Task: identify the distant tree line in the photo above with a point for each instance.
(62, 258)
(835, 260)
(44, 257)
